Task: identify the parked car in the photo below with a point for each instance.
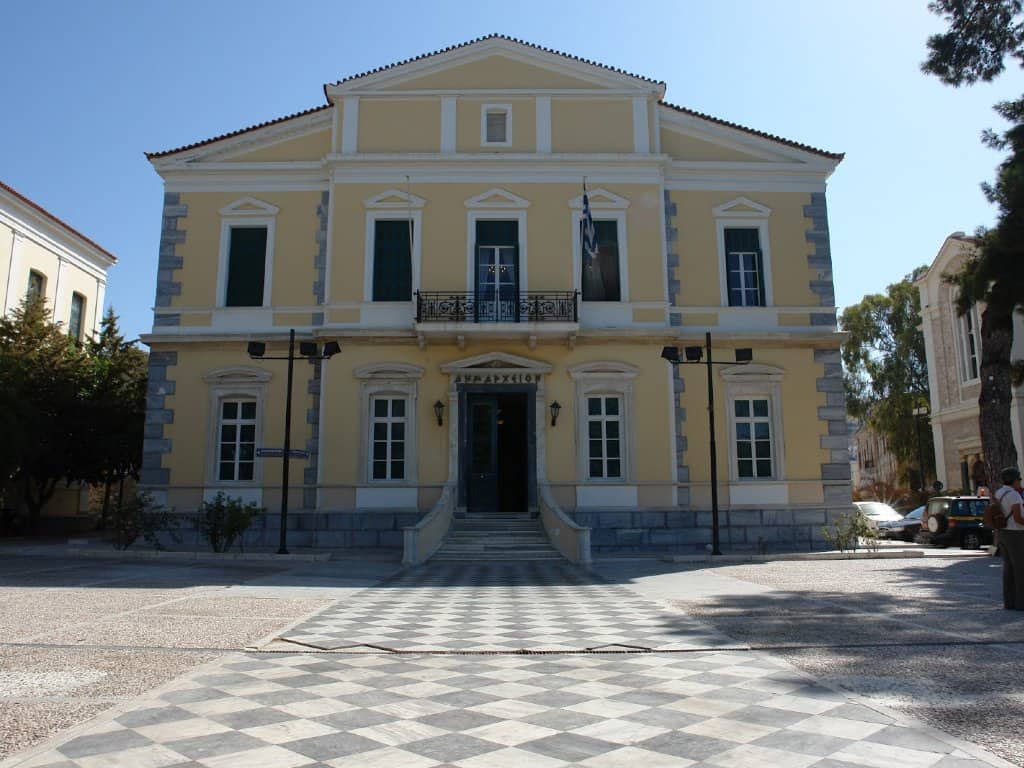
(876, 512)
(955, 520)
(905, 528)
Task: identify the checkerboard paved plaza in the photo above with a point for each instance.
(461, 690)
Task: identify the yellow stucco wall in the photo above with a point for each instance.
(384, 125)
(800, 403)
(591, 125)
(523, 125)
(312, 146)
(698, 246)
(445, 233)
(493, 72)
(682, 147)
(296, 225)
(6, 239)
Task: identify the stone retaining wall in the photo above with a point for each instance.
(757, 530)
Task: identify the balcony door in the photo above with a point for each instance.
(497, 271)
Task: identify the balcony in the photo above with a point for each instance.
(490, 307)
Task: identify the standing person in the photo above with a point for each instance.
(1011, 539)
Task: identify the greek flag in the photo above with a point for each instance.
(589, 233)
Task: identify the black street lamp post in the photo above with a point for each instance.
(311, 351)
(693, 356)
(918, 412)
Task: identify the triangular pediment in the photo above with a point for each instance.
(249, 206)
(394, 198)
(497, 198)
(496, 361)
(495, 63)
(741, 207)
(600, 199)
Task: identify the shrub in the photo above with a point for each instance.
(851, 530)
(224, 519)
(139, 516)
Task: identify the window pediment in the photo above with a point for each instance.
(237, 375)
(389, 371)
(249, 206)
(600, 199)
(496, 361)
(394, 198)
(741, 208)
(603, 369)
(497, 198)
(752, 372)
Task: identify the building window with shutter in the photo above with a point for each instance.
(392, 259)
(75, 316)
(496, 125)
(744, 267)
(246, 266)
(600, 278)
(970, 344)
(236, 440)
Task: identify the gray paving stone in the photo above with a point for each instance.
(201, 747)
(101, 743)
(568, 746)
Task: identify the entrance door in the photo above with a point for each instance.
(499, 464)
(497, 271)
(482, 490)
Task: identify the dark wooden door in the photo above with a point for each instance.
(482, 491)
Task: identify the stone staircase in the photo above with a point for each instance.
(496, 536)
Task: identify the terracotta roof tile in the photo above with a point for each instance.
(754, 132)
(59, 222)
(204, 142)
(496, 36)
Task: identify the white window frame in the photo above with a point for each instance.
(495, 214)
(396, 381)
(81, 315)
(372, 217)
(962, 344)
(743, 213)
(752, 420)
(391, 398)
(487, 109)
(42, 287)
(604, 419)
(755, 381)
(601, 214)
(246, 212)
(604, 379)
(237, 383)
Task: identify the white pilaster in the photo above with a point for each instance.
(544, 124)
(641, 126)
(448, 104)
(350, 126)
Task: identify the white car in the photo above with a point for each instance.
(876, 512)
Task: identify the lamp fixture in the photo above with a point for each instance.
(331, 348)
(670, 353)
(308, 348)
(256, 348)
(744, 355)
(555, 408)
(439, 413)
(694, 354)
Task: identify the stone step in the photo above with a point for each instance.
(496, 536)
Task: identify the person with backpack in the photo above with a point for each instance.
(1011, 538)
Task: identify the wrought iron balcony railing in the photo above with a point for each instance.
(489, 307)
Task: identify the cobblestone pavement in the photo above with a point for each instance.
(488, 667)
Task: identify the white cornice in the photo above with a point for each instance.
(30, 223)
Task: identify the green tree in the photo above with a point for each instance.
(43, 378)
(884, 366)
(982, 34)
(110, 450)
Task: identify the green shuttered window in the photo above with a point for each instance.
(247, 259)
(75, 316)
(392, 260)
(744, 267)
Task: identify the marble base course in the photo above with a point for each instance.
(641, 531)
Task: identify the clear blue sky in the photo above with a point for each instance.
(87, 87)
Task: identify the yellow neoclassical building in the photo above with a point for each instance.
(501, 346)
